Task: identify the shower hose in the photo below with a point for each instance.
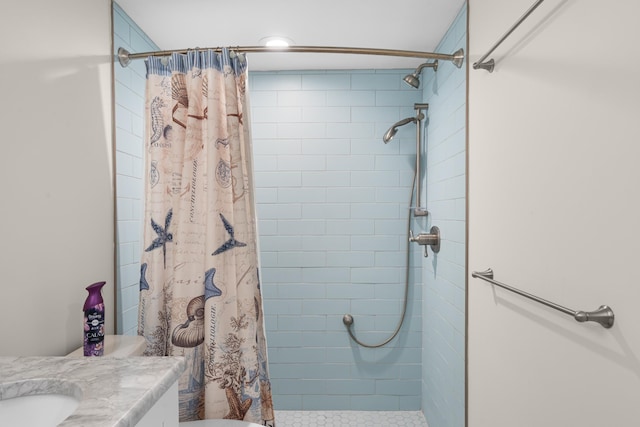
(348, 319)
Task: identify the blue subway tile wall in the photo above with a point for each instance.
(332, 202)
(129, 96)
(443, 351)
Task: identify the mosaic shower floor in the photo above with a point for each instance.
(350, 419)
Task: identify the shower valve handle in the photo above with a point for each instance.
(431, 239)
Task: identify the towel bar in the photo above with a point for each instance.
(488, 65)
(603, 315)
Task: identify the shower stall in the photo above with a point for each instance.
(332, 204)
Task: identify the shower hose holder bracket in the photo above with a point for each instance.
(420, 212)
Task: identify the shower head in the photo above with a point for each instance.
(413, 79)
(391, 132)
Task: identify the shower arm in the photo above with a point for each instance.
(419, 210)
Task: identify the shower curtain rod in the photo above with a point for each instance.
(125, 57)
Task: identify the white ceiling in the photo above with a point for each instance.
(405, 25)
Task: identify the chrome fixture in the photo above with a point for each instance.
(390, 133)
(413, 79)
(488, 65)
(603, 315)
(457, 57)
(431, 239)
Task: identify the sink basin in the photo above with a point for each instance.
(35, 408)
(39, 410)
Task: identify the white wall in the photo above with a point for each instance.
(56, 214)
(553, 209)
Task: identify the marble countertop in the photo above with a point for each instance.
(113, 392)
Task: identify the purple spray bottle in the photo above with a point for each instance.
(94, 321)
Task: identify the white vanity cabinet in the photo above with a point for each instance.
(165, 411)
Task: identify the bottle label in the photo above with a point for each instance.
(93, 332)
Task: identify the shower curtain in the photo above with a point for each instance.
(199, 281)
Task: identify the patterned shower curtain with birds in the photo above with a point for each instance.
(200, 292)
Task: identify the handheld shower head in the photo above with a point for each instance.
(413, 79)
(391, 132)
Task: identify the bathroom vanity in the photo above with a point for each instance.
(110, 392)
